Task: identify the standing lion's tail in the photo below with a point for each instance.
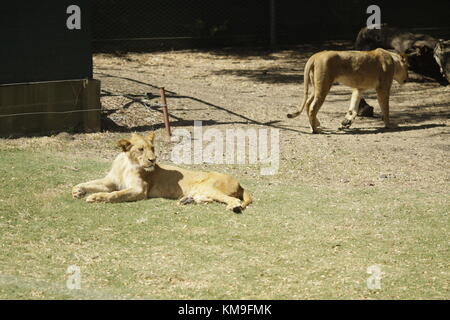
(247, 199)
(308, 68)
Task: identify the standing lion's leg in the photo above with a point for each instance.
(353, 109)
(308, 103)
(312, 114)
(383, 101)
(99, 185)
(321, 88)
(312, 95)
(321, 92)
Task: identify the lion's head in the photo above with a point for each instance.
(140, 150)
(401, 68)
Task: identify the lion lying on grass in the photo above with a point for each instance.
(136, 176)
(360, 70)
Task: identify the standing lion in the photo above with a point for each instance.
(360, 70)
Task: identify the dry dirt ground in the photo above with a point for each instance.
(246, 88)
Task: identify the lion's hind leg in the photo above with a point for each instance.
(233, 204)
(213, 194)
(321, 89)
(312, 113)
(195, 198)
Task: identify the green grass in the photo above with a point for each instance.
(295, 242)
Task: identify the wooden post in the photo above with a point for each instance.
(165, 111)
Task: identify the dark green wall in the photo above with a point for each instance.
(36, 45)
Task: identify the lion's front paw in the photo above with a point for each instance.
(78, 192)
(98, 197)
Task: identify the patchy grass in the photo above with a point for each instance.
(296, 241)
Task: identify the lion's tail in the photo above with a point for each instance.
(308, 68)
(247, 199)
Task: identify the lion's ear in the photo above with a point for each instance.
(151, 136)
(124, 144)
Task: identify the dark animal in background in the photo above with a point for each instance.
(427, 56)
(442, 57)
(392, 38)
(364, 110)
(420, 49)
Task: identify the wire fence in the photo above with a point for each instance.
(134, 23)
(140, 24)
(171, 19)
